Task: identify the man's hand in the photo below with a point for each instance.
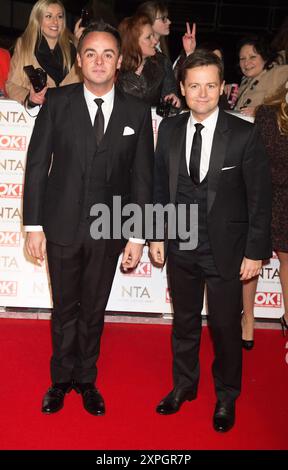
(249, 268)
(35, 245)
(189, 39)
(156, 250)
(132, 255)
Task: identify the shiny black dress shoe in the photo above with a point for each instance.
(92, 400)
(53, 399)
(173, 401)
(224, 416)
(283, 324)
(248, 344)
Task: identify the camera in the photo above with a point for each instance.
(37, 77)
(165, 108)
(85, 18)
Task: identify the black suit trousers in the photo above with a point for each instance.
(81, 277)
(189, 272)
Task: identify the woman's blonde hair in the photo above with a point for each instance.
(33, 33)
(280, 102)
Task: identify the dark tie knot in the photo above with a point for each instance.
(99, 102)
(199, 127)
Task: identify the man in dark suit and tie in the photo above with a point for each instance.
(90, 143)
(218, 162)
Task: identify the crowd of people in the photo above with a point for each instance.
(106, 80)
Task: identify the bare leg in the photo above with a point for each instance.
(283, 272)
(249, 291)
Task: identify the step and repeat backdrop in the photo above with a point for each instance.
(25, 284)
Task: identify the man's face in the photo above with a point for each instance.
(202, 88)
(99, 59)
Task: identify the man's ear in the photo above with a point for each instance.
(222, 87)
(79, 60)
(119, 61)
(182, 89)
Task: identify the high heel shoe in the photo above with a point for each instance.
(248, 344)
(283, 324)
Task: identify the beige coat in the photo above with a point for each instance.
(18, 86)
(258, 88)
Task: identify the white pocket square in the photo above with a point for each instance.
(128, 130)
(228, 168)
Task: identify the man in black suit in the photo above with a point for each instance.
(72, 165)
(218, 162)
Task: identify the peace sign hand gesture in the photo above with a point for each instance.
(189, 39)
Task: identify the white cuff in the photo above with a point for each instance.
(33, 228)
(137, 240)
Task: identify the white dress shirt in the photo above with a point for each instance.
(107, 106)
(207, 138)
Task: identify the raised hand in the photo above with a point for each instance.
(189, 39)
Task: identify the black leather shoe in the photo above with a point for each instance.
(92, 400)
(53, 399)
(224, 416)
(248, 344)
(173, 401)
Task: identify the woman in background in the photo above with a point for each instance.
(145, 72)
(272, 120)
(45, 43)
(158, 15)
(262, 76)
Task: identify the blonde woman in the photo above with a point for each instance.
(45, 43)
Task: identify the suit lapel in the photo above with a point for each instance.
(217, 157)
(82, 127)
(178, 146)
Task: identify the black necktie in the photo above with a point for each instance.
(195, 155)
(99, 121)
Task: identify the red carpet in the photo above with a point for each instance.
(134, 374)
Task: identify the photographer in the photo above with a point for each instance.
(47, 44)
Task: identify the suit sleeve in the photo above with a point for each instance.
(161, 177)
(142, 170)
(39, 158)
(257, 177)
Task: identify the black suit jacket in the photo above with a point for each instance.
(238, 199)
(61, 142)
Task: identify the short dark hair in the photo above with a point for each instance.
(199, 58)
(261, 46)
(100, 27)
